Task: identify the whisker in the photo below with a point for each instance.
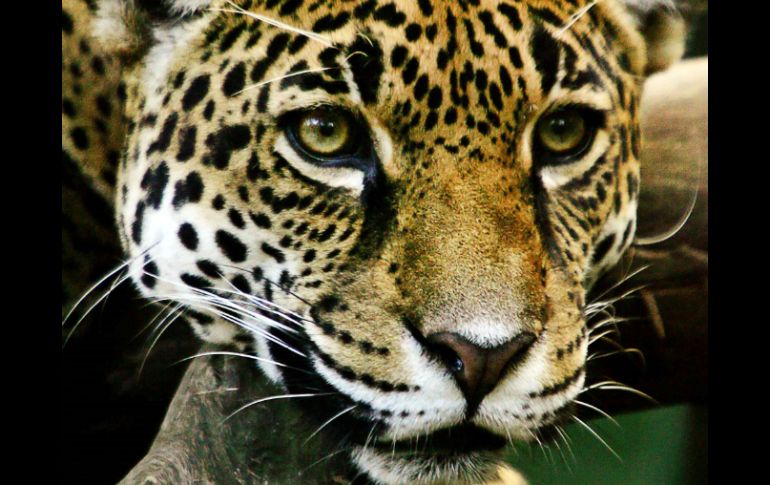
(120, 267)
(596, 435)
(282, 289)
(163, 310)
(633, 351)
(565, 439)
(575, 17)
(601, 336)
(673, 231)
(594, 408)
(275, 23)
(285, 76)
(90, 308)
(621, 281)
(242, 324)
(273, 398)
(344, 411)
(324, 458)
(245, 356)
(163, 326)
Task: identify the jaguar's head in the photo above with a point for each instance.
(398, 206)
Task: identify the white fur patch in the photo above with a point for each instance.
(348, 178)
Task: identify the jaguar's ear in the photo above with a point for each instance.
(126, 27)
(661, 24)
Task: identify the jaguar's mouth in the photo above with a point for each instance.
(457, 440)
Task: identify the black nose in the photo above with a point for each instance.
(478, 369)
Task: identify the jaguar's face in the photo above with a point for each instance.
(397, 206)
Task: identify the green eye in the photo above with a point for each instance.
(324, 133)
(564, 134)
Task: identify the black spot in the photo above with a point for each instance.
(186, 143)
(188, 190)
(288, 7)
(421, 87)
(154, 182)
(195, 281)
(218, 202)
(136, 226)
(68, 108)
(276, 47)
(97, 65)
(231, 37)
(327, 233)
(505, 81)
(260, 220)
(231, 246)
(331, 22)
(515, 57)
(208, 111)
(603, 248)
(179, 79)
(367, 69)
(66, 22)
(188, 236)
(425, 7)
(209, 269)
(164, 139)
(103, 105)
(431, 120)
(450, 117)
(309, 255)
(545, 51)
(510, 13)
(413, 32)
(398, 56)
(434, 98)
(150, 275)
(195, 93)
(235, 80)
(410, 71)
(79, 138)
(240, 283)
(254, 169)
(273, 252)
(491, 29)
(390, 15)
(236, 218)
(225, 141)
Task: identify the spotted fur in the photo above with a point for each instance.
(338, 277)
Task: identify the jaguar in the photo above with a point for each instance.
(398, 206)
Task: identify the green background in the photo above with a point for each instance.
(667, 445)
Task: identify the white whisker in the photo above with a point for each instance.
(273, 398)
(275, 23)
(596, 435)
(594, 408)
(94, 305)
(344, 411)
(575, 17)
(285, 76)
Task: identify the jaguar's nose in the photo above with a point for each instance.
(478, 369)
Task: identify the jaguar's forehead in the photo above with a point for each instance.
(404, 53)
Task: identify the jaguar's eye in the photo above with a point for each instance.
(566, 133)
(324, 133)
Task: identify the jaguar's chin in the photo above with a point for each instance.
(427, 467)
(463, 454)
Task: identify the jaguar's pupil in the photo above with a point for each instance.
(559, 126)
(326, 128)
